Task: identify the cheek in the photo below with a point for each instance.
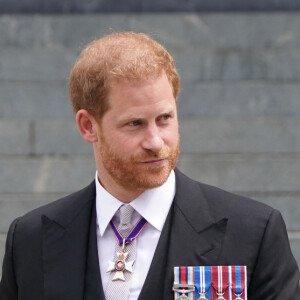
(172, 137)
(125, 145)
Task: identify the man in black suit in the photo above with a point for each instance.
(124, 91)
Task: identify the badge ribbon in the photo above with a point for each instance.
(202, 282)
(220, 282)
(239, 279)
(133, 234)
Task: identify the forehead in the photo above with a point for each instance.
(133, 96)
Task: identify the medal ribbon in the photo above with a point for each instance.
(184, 275)
(203, 280)
(238, 279)
(220, 281)
(133, 234)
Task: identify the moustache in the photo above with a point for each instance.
(163, 154)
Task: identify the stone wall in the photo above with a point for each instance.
(146, 6)
(239, 107)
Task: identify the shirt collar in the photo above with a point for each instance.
(146, 204)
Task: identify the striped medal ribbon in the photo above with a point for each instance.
(184, 283)
(203, 282)
(238, 281)
(220, 282)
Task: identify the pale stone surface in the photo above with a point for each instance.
(223, 30)
(195, 63)
(15, 137)
(45, 174)
(59, 137)
(2, 249)
(244, 172)
(239, 98)
(240, 135)
(34, 100)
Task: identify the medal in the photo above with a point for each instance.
(121, 265)
(202, 281)
(183, 289)
(183, 297)
(220, 281)
(220, 296)
(238, 274)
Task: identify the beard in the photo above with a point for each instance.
(132, 173)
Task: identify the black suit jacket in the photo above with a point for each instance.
(51, 252)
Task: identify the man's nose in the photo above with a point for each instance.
(152, 139)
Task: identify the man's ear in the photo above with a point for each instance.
(86, 124)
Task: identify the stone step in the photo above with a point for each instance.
(239, 98)
(2, 249)
(222, 30)
(36, 64)
(244, 172)
(245, 135)
(234, 64)
(54, 174)
(193, 63)
(36, 100)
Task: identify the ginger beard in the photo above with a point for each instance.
(131, 173)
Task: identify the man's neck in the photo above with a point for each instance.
(125, 195)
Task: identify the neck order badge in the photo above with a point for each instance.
(210, 283)
(121, 265)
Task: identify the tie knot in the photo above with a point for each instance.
(125, 215)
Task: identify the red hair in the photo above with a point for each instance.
(118, 56)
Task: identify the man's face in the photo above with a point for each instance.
(138, 136)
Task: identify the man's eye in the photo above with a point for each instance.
(135, 123)
(165, 117)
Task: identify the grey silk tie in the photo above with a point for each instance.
(118, 289)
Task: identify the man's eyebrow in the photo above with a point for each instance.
(132, 117)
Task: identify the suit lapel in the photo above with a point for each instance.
(65, 239)
(191, 237)
(93, 282)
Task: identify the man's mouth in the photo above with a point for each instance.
(155, 162)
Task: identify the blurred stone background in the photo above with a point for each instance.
(239, 106)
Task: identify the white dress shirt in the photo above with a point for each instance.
(153, 205)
